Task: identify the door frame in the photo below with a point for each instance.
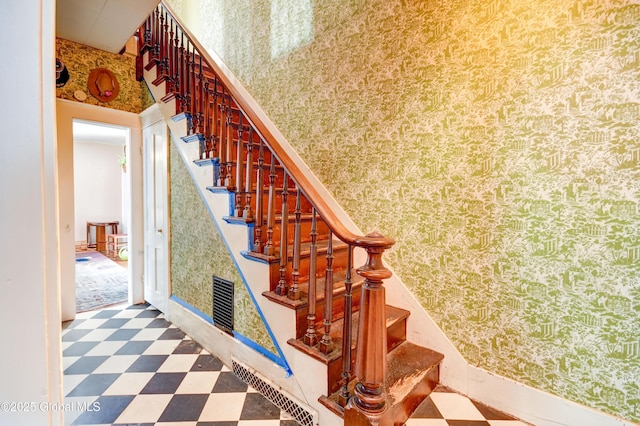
(66, 112)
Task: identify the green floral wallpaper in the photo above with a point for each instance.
(498, 141)
(198, 253)
(81, 59)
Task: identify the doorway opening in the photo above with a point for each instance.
(102, 211)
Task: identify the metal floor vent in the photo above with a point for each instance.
(303, 414)
(223, 304)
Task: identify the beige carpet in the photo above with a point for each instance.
(99, 281)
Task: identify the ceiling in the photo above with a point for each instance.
(103, 24)
(85, 131)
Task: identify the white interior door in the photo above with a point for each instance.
(156, 270)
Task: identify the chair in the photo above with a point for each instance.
(114, 243)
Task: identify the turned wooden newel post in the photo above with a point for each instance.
(369, 396)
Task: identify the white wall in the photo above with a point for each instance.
(30, 359)
(98, 185)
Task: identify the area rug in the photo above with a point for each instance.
(99, 281)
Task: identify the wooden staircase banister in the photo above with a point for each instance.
(257, 118)
(253, 161)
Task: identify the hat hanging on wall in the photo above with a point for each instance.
(62, 75)
(103, 85)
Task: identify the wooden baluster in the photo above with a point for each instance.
(200, 98)
(205, 120)
(239, 168)
(311, 336)
(156, 35)
(228, 182)
(222, 146)
(192, 90)
(148, 29)
(294, 290)
(347, 337)
(268, 248)
(176, 64)
(248, 211)
(181, 75)
(214, 121)
(199, 111)
(369, 396)
(187, 79)
(257, 245)
(169, 59)
(159, 38)
(281, 289)
(325, 343)
(164, 46)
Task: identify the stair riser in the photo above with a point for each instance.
(338, 311)
(339, 264)
(322, 231)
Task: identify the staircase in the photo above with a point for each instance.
(374, 375)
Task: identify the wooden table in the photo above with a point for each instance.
(100, 243)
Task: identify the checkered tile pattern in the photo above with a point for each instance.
(129, 366)
(446, 408)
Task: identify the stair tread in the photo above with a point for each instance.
(408, 364)
(409, 367)
(305, 250)
(338, 290)
(393, 313)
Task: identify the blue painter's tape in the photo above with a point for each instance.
(191, 308)
(281, 360)
(243, 339)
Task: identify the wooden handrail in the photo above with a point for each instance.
(254, 115)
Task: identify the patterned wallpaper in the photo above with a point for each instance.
(81, 59)
(198, 253)
(498, 141)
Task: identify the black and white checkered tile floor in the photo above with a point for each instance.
(129, 366)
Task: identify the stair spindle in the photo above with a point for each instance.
(325, 345)
(257, 245)
(311, 336)
(281, 289)
(201, 93)
(248, 211)
(346, 331)
(156, 36)
(239, 169)
(268, 248)
(294, 290)
(187, 81)
(170, 59)
(228, 179)
(176, 62)
(214, 122)
(192, 91)
(205, 121)
(164, 65)
(222, 146)
(181, 75)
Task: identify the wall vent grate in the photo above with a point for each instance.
(303, 414)
(223, 304)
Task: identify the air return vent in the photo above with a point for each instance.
(223, 304)
(303, 414)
